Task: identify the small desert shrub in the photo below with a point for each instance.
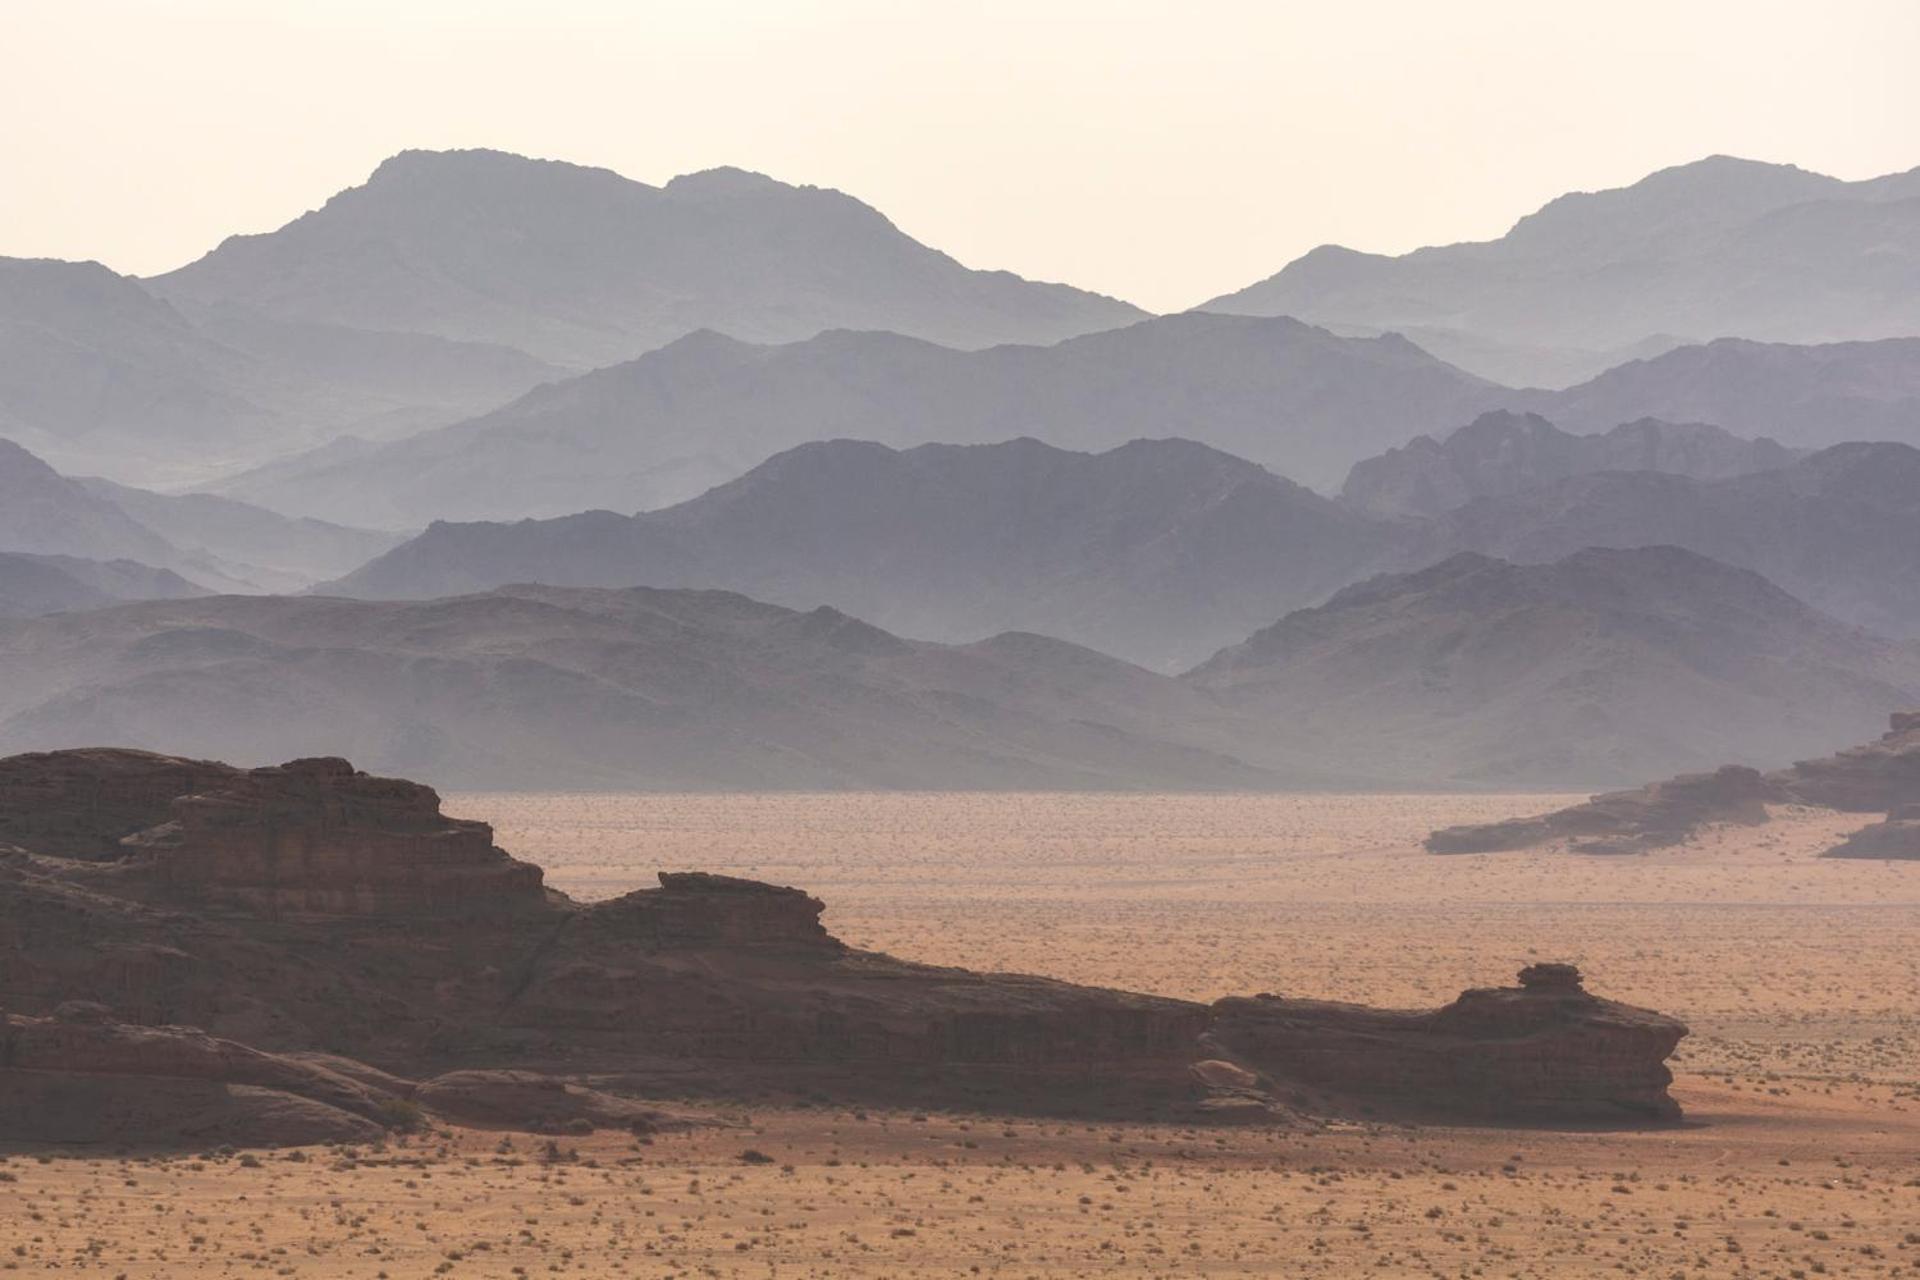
(400, 1113)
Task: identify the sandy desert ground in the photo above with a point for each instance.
(1801, 978)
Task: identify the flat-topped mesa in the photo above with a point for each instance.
(1545, 1050)
(1654, 816)
(317, 837)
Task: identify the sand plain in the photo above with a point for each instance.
(1800, 1157)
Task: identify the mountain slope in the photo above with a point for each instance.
(549, 687)
(1803, 396)
(582, 267)
(1157, 551)
(1502, 452)
(32, 585)
(1839, 529)
(1722, 247)
(1594, 669)
(43, 512)
(666, 427)
(215, 542)
(245, 542)
(98, 374)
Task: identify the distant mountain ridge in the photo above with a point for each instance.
(216, 543)
(1477, 671)
(582, 267)
(1296, 399)
(33, 585)
(1502, 452)
(1156, 551)
(1839, 529)
(549, 687)
(1473, 673)
(1719, 248)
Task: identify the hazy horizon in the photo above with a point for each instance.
(1125, 148)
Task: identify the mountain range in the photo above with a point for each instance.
(1503, 452)
(1839, 529)
(1719, 248)
(1473, 673)
(1479, 672)
(704, 410)
(216, 543)
(1158, 551)
(551, 687)
(449, 284)
(1163, 551)
(581, 267)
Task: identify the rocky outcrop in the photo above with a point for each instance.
(81, 1075)
(316, 837)
(81, 804)
(1881, 776)
(1544, 1050)
(1877, 777)
(1896, 839)
(310, 907)
(1656, 815)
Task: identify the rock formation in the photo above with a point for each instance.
(1877, 777)
(288, 909)
(1881, 776)
(1658, 814)
(316, 837)
(1898, 838)
(1545, 1050)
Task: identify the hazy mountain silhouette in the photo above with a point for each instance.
(1480, 672)
(98, 374)
(32, 585)
(548, 687)
(215, 542)
(1839, 529)
(1157, 551)
(244, 542)
(583, 267)
(1502, 452)
(704, 410)
(43, 512)
(1803, 396)
(1721, 247)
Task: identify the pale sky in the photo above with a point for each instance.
(1163, 152)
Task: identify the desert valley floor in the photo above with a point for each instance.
(1800, 1155)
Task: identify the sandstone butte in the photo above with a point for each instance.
(195, 952)
(1882, 776)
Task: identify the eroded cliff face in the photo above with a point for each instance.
(81, 804)
(1544, 1050)
(316, 837)
(310, 907)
